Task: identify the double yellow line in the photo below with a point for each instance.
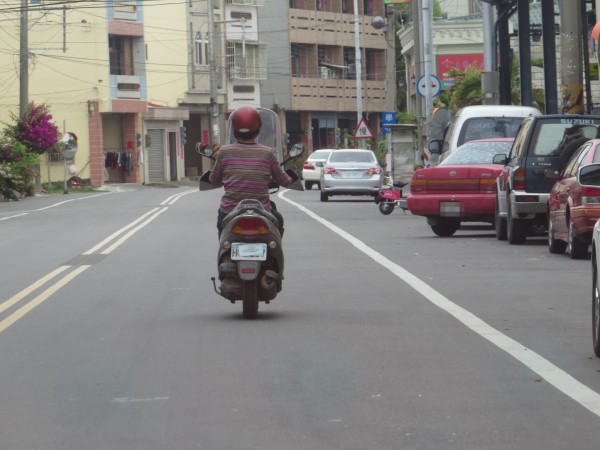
(119, 237)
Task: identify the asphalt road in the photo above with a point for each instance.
(385, 336)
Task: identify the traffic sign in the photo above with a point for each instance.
(436, 86)
(362, 130)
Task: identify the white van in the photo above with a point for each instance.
(481, 122)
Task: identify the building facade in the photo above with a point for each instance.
(311, 68)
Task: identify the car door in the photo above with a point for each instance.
(564, 190)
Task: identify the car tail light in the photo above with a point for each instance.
(329, 170)
(418, 185)
(487, 184)
(308, 166)
(250, 226)
(590, 196)
(519, 179)
(374, 171)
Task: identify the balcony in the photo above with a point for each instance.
(127, 87)
(124, 10)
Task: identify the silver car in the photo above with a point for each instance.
(311, 171)
(351, 172)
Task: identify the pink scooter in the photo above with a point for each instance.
(390, 196)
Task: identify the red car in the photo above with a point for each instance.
(462, 188)
(574, 204)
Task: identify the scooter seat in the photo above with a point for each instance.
(250, 205)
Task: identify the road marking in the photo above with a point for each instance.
(29, 289)
(173, 198)
(15, 216)
(133, 228)
(119, 232)
(41, 298)
(558, 378)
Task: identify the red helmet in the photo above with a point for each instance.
(246, 122)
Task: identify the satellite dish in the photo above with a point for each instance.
(439, 122)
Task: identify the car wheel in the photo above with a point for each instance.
(595, 308)
(324, 196)
(446, 227)
(554, 245)
(386, 208)
(576, 248)
(516, 229)
(499, 223)
(308, 185)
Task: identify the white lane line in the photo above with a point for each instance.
(15, 216)
(119, 232)
(26, 308)
(71, 200)
(132, 232)
(560, 379)
(173, 198)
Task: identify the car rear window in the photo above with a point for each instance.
(320, 154)
(489, 127)
(476, 153)
(342, 156)
(553, 138)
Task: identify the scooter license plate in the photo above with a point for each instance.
(242, 251)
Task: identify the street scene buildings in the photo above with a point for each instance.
(140, 83)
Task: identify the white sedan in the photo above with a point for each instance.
(311, 171)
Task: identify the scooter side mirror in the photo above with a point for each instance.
(204, 150)
(296, 150)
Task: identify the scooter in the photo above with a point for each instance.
(250, 258)
(390, 196)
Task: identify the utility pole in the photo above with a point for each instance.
(490, 81)
(213, 108)
(23, 61)
(427, 25)
(357, 62)
(570, 55)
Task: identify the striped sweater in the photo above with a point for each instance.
(245, 171)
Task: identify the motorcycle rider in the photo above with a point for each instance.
(245, 168)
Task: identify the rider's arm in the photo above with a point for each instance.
(278, 174)
(216, 174)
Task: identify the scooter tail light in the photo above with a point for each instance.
(250, 226)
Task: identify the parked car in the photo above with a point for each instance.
(574, 203)
(462, 188)
(596, 288)
(542, 147)
(479, 122)
(351, 172)
(311, 170)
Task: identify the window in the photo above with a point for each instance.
(201, 50)
(120, 55)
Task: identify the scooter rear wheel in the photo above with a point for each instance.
(250, 299)
(386, 207)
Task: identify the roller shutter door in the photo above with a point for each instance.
(156, 156)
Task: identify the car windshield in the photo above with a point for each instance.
(353, 156)
(477, 153)
(489, 127)
(320, 154)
